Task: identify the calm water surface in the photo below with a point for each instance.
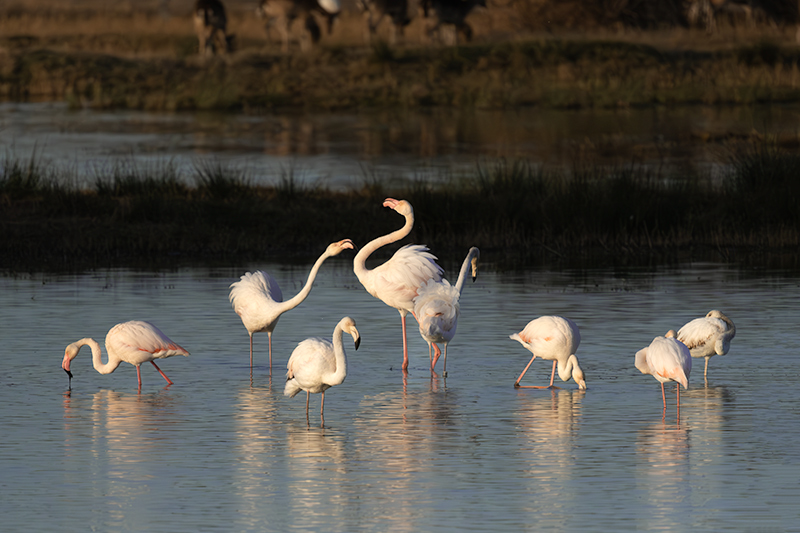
(342, 150)
(221, 451)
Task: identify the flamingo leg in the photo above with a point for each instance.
(139, 376)
(705, 371)
(269, 336)
(405, 343)
(437, 352)
(251, 352)
(308, 394)
(516, 384)
(678, 391)
(445, 361)
(663, 397)
(322, 410)
(163, 375)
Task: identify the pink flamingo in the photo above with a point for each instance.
(708, 336)
(666, 359)
(396, 281)
(318, 364)
(437, 308)
(556, 339)
(258, 300)
(133, 342)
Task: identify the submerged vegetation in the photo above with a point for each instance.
(515, 211)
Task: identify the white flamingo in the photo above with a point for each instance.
(708, 336)
(258, 299)
(133, 342)
(318, 364)
(666, 359)
(437, 308)
(396, 281)
(556, 339)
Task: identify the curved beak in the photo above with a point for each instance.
(358, 342)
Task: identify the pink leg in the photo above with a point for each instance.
(678, 390)
(139, 376)
(251, 352)
(444, 369)
(663, 397)
(437, 352)
(269, 336)
(322, 410)
(516, 384)
(308, 394)
(405, 344)
(160, 372)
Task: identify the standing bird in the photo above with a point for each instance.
(397, 280)
(134, 342)
(437, 308)
(666, 359)
(708, 336)
(556, 339)
(258, 300)
(318, 364)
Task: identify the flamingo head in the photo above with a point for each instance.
(476, 254)
(70, 353)
(577, 373)
(335, 248)
(670, 334)
(349, 326)
(401, 206)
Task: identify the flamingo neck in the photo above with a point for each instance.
(298, 298)
(465, 267)
(97, 356)
(340, 357)
(565, 368)
(360, 260)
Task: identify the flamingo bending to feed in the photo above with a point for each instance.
(556, 339)
(666, 359)
(708, 336)
(437, 308)
(258, 300)
(396, 281)
(318, 364)
(134, 342)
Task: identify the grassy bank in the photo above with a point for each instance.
(516, 213)
(546, 73)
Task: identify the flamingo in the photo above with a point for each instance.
(396, 281)
(318, 364)
(134, 342)
(437, 308)
(666, 359)
(556, 339)
(258, 300)
(708, 336)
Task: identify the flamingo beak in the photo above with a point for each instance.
(358, 342)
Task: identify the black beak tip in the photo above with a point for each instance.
(358, 342)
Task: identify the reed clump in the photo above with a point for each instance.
(515, 210)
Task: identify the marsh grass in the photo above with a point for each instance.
(514, 210)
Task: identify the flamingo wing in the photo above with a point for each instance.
(253, 297)
(666, 359)
(700, 334)
(437, 310)
(309, 363)
(548, 334)
(137, 342)
(396, 281)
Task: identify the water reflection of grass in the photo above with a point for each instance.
(623, 214)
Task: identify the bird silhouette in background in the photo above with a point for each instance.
(556, 339)
(318, 364)
(396, 281)
(133, 342)
(437, 308)
(666, 359)
(258, 300)
(708, 336)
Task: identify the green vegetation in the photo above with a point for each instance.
(546, 73)
(514, 211)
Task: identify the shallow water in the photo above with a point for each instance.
(223, 451)
(345, 150)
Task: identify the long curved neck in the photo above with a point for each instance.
(340, 357)
(360, 260)
(298, 298)
(465, 267)
(565, 369)
(97, 357)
